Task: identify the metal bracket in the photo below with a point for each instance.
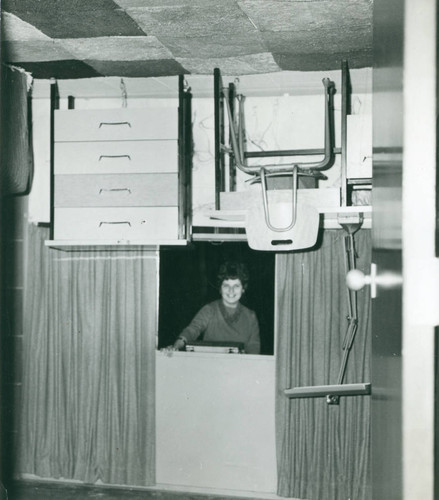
(333, 392)
(329, 391)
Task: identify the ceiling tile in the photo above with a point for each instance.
(85, 23)
(58, 5)
(162, 67)
(275, 15)
(251, 64)
(14, 28)
(217, 45)
(33, 51)
(322, 62)
(59, 69)
(117, 48)
(129, 4)
(144, 37)
(321, 41)
(192, 20)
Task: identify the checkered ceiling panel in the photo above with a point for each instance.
(142, 38)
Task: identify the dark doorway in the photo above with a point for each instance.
(188, 281)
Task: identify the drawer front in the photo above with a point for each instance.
(116, 157)
(116, 190)
(122, 124)
(116, 223)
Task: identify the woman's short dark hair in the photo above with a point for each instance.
(232, 271)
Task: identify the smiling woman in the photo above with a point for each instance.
(209, 294)
(226, 319)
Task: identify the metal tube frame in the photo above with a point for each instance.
(293, 204)
(236, 139)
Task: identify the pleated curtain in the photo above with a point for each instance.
(88, 400)
(323, 450)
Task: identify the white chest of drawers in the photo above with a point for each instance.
(116, 176)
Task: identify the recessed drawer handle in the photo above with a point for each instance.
(102, 223)
(114, 156)
(102, 190)
(114, 123)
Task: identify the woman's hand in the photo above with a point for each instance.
(178, 345)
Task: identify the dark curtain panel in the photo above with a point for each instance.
(323, 450)
(89, 365)
(16, 149)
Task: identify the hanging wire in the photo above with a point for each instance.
(124, 93)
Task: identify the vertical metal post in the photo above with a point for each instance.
(219, 135)
(54, 104)
(181, 159)
(345, 110)
(188, 163)
(184, 160)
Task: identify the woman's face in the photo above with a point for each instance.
(231, 292)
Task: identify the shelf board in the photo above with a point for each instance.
(331, 217)
(219, 237)
(110, 245)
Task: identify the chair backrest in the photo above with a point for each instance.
(303, 234)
